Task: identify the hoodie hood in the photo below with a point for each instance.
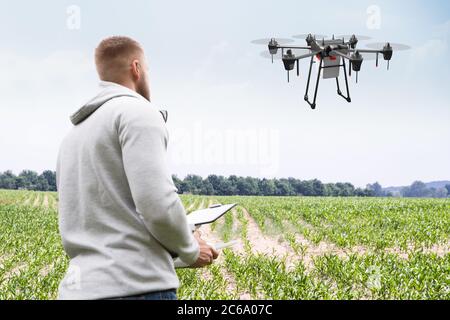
(108, 91)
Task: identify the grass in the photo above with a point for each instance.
(396, 233)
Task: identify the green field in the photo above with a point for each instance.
(290, 248)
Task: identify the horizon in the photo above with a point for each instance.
(278, 178)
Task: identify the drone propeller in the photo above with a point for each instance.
(395, 46)
(387, 49)
(359, 37)
(265, 41)
(266, 54)
(304, 36)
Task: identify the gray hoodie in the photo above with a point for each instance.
(120, 218)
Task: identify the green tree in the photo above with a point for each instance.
(283, 188)
(8, 180)
(28, 180)
(318, 188)
(42, 184)
(418, 190)
(305, 188)
(331, 190)
(50, 177)
(440, 193)
(228, 187)
(195, 183)
(216, 183)
(207, 188)
(185, 187)
(267, 187)
(246, 186)
(360, 192)
(377, 189)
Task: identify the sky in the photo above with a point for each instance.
(230, 110)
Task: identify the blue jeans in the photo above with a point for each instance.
(158, 295)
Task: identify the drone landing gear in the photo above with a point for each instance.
(313, 104)
(346, 85)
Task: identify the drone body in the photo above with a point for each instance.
(331, 56)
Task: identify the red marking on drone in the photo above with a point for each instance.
(331, 58)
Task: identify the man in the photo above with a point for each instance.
(120, 218)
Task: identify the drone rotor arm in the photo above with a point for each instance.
(304, 56)
(343, 55)
(290, 60)
(366, 51)
(294, 47)
(386, 54)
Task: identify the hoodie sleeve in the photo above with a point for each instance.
(143, 139)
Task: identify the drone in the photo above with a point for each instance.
(331, 55)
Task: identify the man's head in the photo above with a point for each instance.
(122, 60)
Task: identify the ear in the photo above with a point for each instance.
(136, 69)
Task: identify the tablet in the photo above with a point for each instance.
(209, 215)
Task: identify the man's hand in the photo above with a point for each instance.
(207, 253)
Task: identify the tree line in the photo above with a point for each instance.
(28, 180)
(249, 186)
(244, 186)
(420, 190)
